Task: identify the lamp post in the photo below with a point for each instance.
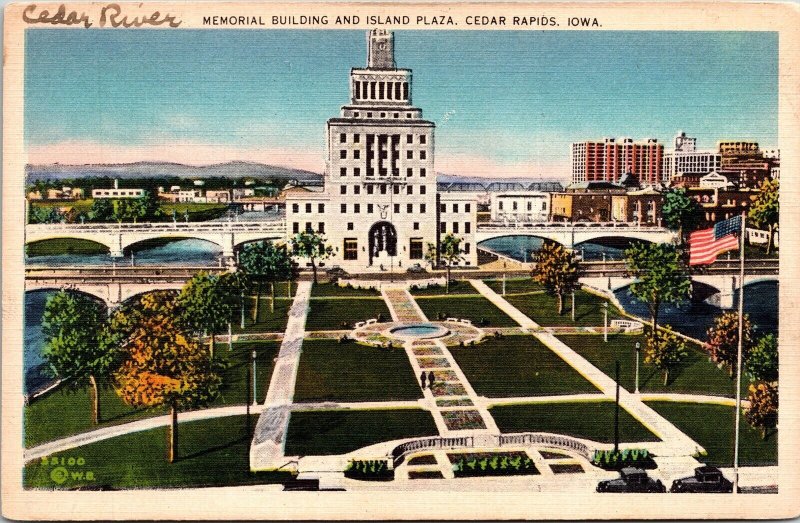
(605, 321)
(255, 395)
(638, 349)
(573, 304)
(248, 400)
(230, 336)
(504, 284)
(241, 309)
(616, 410)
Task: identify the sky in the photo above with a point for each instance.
(505, 103)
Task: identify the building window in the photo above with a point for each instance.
(467, 207)
(422, 172)
(308, 208)
(416, 226)
(409, 138)
(356, 171)
(370, 189)
(295, 228)
(423, 138)
(423, 155)
(455, 227)
(350, 249)
(383, 189)
(396, 189)
(467, 228)
(513, 206)
(410, 155)
(500, 205)
(370, 208)
(343, 208)
(321, 227)
(530, 206)
(466, 248)
(357, 154)
(422, 189)
(422, 207)
(397, 208)
(415, 248)
(442, 227)
(410, 208)
(343, 154)
(409, 172)
(442, 207)
(321, 208)
(308, 228)
(343, 171)
(342, 138)
(455, 207)
(357, 189)
(349, 226)
(356, 208)
(343, 189)
(409, 189)
(356, 137)
(295, 207)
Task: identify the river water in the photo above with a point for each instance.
(197, 253)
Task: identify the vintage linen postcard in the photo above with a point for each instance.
(417, 261)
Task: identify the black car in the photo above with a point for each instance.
(416, 269)
(705, 479)
(631, 480)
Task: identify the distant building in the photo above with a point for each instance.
(642, 207)
(685, 159)
(719, 204)
(519, 206)
(65, 193)
(116, 192)
(610, 159)
(238, 194)
(714, 180)
(220, 196)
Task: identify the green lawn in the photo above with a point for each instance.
(712, 426)
(198, 212)
(65, 412)
(343, 313)
(590, 420)
(334, 290)
(478, 309)
(456, 287)
(84, 205)
(695, 375)
(319, 433)
(542, 309)
(518, 366)
(211, 453)
(514, 286)
(330, 371)
(64, 246)
(268, 321)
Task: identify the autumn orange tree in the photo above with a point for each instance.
(762, 413)
(163, 365)
(723, 340)
(557, 270)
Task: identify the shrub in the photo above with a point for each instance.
(609, 460)
(492, 464)
(369, 470)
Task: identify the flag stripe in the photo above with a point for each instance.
(707, 244)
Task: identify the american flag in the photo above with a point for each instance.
(706, 245)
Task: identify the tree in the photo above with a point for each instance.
(312, 246)
(764, 211)
(762, 359)
(557, 270)
(660, 276)
(102, 210)
(679, 211)
(763, 410)
(75, 348)
(264, 262)
(164, 365)
(723, 340)
(449, 253)
(202, 307)
(664, 351)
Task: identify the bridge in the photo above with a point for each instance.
(112, 285)
(118, 236)
(571, 234)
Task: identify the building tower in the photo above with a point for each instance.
(379, 206)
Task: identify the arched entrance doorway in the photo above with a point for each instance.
(382, 241)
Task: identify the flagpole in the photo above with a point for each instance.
(737, 413)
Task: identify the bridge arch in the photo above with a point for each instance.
(165, 239)
(90, 292)
(38, 243)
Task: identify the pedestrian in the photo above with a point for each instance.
(431, 379)
(422, 378)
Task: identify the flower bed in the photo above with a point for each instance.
(445, 375)
(423, 459)
(448, 389)
(551, 454)
(369, 470)
(427, 351)
(608, 460)
(425, 474)
(492, 464)
(566, 468)
(463, 419)
(459, 402)
(432, 363)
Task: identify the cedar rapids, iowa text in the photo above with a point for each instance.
(375, 20)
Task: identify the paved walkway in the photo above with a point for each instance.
(673, 441)
(269, 438)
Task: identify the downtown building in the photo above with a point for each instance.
(610, 159)
(685, 161)
(379, 207)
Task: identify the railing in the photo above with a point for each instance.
(629, 326)
(627, 226)
(399, 453)
(231, 226)
(550, 440)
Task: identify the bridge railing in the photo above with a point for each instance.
(627, 226)
(399, 453)
(230, 226)
(550, 440)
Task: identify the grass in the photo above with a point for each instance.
(211, 453)
(267, 321)
(478, 309)
(696, 375)
(58, 246)
(542, 309)
(197, 211)
(334, 290)
(348, 372)
(712, 426)
(456, 287)
(343, 313)
(65, 412)
(319, 433)
(589, 420)
(514, 286)
(518, 366)
(84, 205)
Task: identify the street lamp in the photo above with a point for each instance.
(638, 350)
(255, 396)
(573, 304)
(605, 321)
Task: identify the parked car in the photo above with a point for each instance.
(336, 272)
(705, 479)
(631, 480)
(416, 268)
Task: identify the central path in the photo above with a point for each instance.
(451, 399)
(266, 450)
(674, 442)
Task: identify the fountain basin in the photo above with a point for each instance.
(419, 331)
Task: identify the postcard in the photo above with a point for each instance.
(417, 261)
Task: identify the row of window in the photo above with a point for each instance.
(356, 171)
(381, 90)
(309, 207)
(383, 189)
(423, 139)
(514, 205)
(443, 207)
(357, 114)
(382, 208)
(423, 155)
(308, 228)
(415, 249)
(455, 229)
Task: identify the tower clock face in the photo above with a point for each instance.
(382, 46)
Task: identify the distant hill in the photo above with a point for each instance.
(234, 169)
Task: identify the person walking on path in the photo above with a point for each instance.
(431, 379)
(422, 378)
